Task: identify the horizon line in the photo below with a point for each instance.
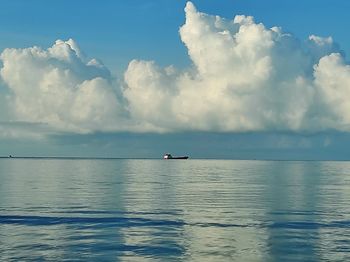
(160, 158)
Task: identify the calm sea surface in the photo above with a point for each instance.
(156, 210)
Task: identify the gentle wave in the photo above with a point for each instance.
(31, 220)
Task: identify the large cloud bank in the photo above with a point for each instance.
(244, 77)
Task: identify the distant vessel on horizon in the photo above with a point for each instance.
(169, 156)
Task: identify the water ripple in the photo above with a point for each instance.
(116, 221)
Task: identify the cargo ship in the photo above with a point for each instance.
(169, 156)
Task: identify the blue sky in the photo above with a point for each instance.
(204, 105)
(118, 31)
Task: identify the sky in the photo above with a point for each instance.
(244, 79)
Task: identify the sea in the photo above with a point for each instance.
(65, 209)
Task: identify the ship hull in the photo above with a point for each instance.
(176, 157)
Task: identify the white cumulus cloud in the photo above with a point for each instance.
(58, 87)
(244, 77)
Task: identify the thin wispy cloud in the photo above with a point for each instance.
(244, 77)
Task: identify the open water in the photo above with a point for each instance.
(183, 210)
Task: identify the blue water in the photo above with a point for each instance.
(156, 210)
